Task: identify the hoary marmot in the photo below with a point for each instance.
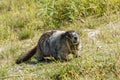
(55, 43)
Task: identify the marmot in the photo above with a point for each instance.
(55, 43)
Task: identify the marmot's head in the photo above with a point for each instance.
(73, 36)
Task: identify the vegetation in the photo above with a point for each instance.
(97, 21)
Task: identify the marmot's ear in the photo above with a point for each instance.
(67, 34)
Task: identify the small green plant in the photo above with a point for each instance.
(57, 13)
(25, 34)
(4, 33)
(3, 72)
(90, 24)
(70, 72)
(4, 6)
(17, 22)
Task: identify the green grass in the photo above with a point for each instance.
(25, 34)
(22, 22)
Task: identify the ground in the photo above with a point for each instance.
(100, 58)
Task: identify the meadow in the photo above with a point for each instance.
(97, 21)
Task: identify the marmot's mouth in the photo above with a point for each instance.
(75, 42)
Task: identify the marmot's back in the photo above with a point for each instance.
(32, 51)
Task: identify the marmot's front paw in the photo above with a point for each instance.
(70, 57)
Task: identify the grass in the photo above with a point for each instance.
(22, 23)
(25, 34)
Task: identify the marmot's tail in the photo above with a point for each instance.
(27, 55)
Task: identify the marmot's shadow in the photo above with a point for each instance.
(42, 61)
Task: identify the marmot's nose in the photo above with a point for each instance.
(75, 38)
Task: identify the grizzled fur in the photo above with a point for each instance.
(55, 43)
